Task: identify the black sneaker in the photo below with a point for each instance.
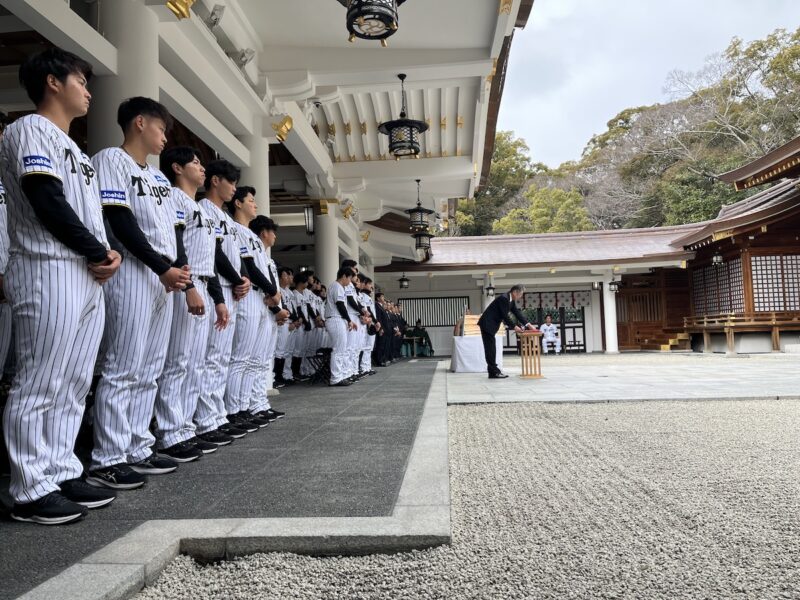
(215, 437)
(80, 492)
(52, 509)
(182, 452)
(274, 415)
(259, 420)
(342, 383)
(204, 447)
(232, 431)
(279, 383)
(155, 465)
(372, 372)
(241, 423)
(118, 477)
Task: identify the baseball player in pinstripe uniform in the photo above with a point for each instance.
(5, 308)
(211, 414)
(288, 330)
(265, 230)
(139, 310)
(180, 382)
(368, 339)
(339, 323)
(58, 259)
(252, 314)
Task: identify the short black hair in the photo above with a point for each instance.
(223, 169)
(345, 272)
(53, 61)
(242, 191)
(517, 288)
(141, 106)
(261, 223)
(349, 262)
(180, 155)
(3, 121)
(282, 270)
(301, 278)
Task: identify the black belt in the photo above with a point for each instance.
(255, 287)
(204, 278)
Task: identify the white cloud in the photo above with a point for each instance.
(580, 62)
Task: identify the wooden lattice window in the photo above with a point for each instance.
(434, 312)
(767, 283)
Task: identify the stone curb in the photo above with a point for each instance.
(463, 402)
(421, 519)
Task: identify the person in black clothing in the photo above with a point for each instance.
(489, 323)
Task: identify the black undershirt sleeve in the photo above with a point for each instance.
(126, 230)
(112, 239)
(342, 310)
(224, 267)
(182, 259)
(351, 300)
(46, 195)
(312, 314)
(258, 278)
(215, 290)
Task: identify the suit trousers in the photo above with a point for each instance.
(490, 351)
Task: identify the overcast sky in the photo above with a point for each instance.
(580, 62)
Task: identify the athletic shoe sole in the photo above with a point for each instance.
(97, 482)
(95, 503)
(48, 520)
(218, 444)
(183, 459)
(153, 470)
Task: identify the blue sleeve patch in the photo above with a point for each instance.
(115, 195)
(180, 214)
(34, 160)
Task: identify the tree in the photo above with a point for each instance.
(548, 211)
(511, 168)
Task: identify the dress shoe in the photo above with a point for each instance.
(497, 375)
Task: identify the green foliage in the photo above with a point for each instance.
(548, 211)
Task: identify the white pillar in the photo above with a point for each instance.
(610, 317)
(326, 248)
(133, 29)
(256, 174)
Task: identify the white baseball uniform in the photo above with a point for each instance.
(367, 340)
(57, 308)
(286, 338)
(211, 410)
(550, 336)
(265, 350)
(177, 394)
(139, 314)
(337, 328)
(5, 307)
(251, 316)
(353, 336)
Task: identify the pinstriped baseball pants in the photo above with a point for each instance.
(337, 328)
(250, 322)
(58, 315)
(265, 354)
(139, 313)
(284, 342)
(173, 406)
(366, 356)
(211, 412)
(5, 334)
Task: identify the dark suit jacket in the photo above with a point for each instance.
(497, 312)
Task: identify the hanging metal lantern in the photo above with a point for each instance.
(404, 282)
(308, 217)
(423, 239)
(403, 132)
(717, 260)
(418, 217)
(372, 19)
(614, 285)
(490, 290)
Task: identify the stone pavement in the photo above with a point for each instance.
(634, 376)
(341, 452)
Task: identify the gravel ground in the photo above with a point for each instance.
(648, 500)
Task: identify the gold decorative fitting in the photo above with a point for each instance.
(368, 157)
(365, 236)
(428, 121)
(337, 158)
(384, 43)
(460, 122)
(283, 128)
(352, 38)
(383, 156)
(505, 7)
(493, 72)
(180, 8)
(763, 229)
(443, 123)
(428, 154)
(444, 153)
(323, 207)
(352, 158)
(331, 129)
(347, 128)
(363, 128)
(347, 211)
(721, 235)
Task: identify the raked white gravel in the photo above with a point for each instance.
(648, 500)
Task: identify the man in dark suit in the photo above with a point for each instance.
(496, 313)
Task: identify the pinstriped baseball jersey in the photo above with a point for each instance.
(350, 291)
(257, 251)
(287, 299)
(336, 293)
(143, 189)
(34, 145)
(4, 241)
(200, 234)
(230, 235)
(246, 244)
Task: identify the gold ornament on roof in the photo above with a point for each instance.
(180, 8)
(282, 128)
